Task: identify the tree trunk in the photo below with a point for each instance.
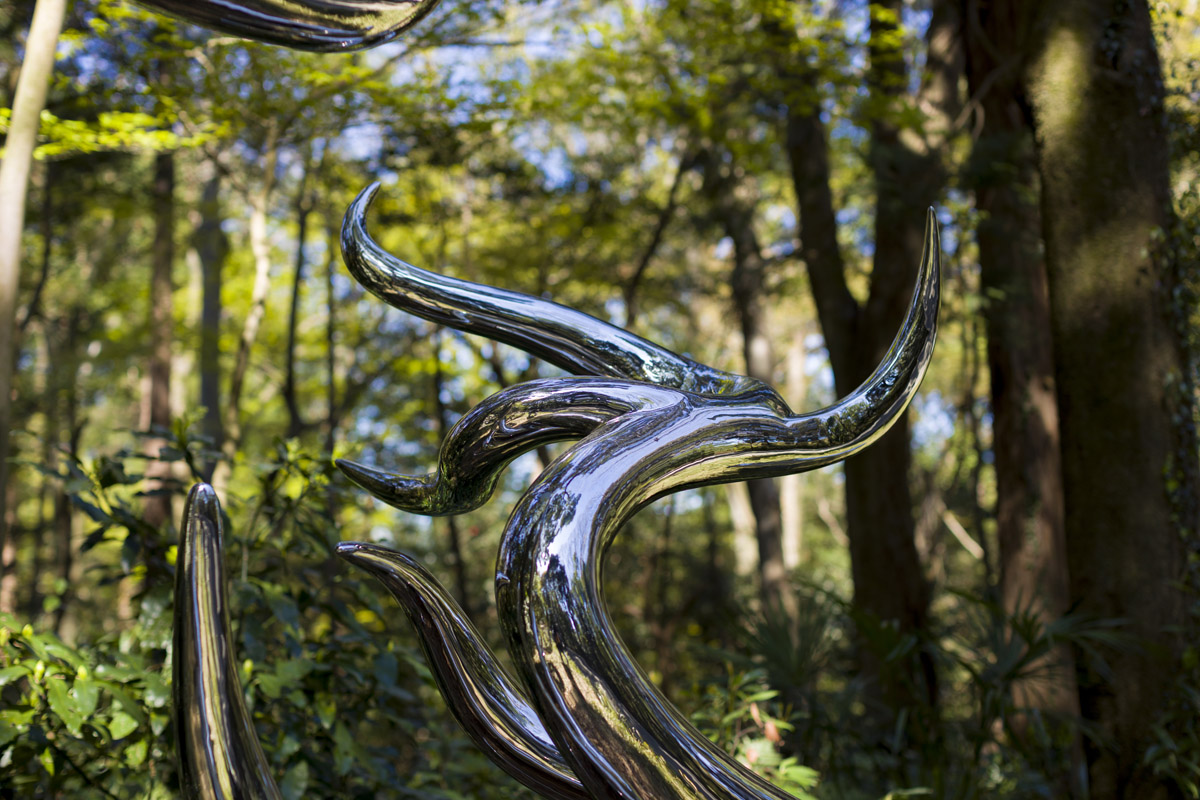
(64, 524)
(454, 539)
(734, 208)
(1030, 522)
(212, 247)
(330, 344)
(303, 207)
(156, 404)
(791, 487)
(30, 99)
(889, 583)
(260, 247)
(1094, 85)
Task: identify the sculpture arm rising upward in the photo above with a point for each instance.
(582, 720)
(651, 422)
(619, 735)
(220, 757)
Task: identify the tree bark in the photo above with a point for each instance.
(64, 524)
(260, 247)
(1094, 85)
(1031, 532)
(212, 247)
(734, 208)
(303, 207)
(454, 538)
(28, 102)
(331, 239)
(156, 410)
(889, 583)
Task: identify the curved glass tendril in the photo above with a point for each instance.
(581, 719)
(317, 25)
(220, 757)
(650, 422)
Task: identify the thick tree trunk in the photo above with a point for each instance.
(28, 102)
(1094, 85)
(1030, 516)
(889, 583)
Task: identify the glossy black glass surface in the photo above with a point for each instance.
(650, 423)
(319, 25)
(220, 757)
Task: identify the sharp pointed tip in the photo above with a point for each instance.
(400, 491)
(367, 477)
(202, 501)
(348, 549)
(202, 489)
(356, 212)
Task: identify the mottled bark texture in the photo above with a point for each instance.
(1093, 84)
(212, 247)
(1034, 579)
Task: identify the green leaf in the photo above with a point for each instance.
(326, 711)
(343, 749)
(122, 725)
(64, 705)
(47, 760)
(10, 674)
(7, 733)
(295, 781)
(86, 693)
(126, 701)
(135, 754)
(157, 693)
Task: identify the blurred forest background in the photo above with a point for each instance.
(998, 600)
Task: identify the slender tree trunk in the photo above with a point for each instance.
(303, 207)
(734, 207)
(634, 284)
(1030, 516)
(454, 538)
(1094, 85)
(791, 487)
(156, 410)
(64, 524)
(30, 99)
(212, 247)
(662, 618)
(889, 583)
(260, 247)
(330, 343)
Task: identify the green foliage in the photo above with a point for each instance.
(86, 722)
(112, 130)
(738, 716)
(343, 701)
